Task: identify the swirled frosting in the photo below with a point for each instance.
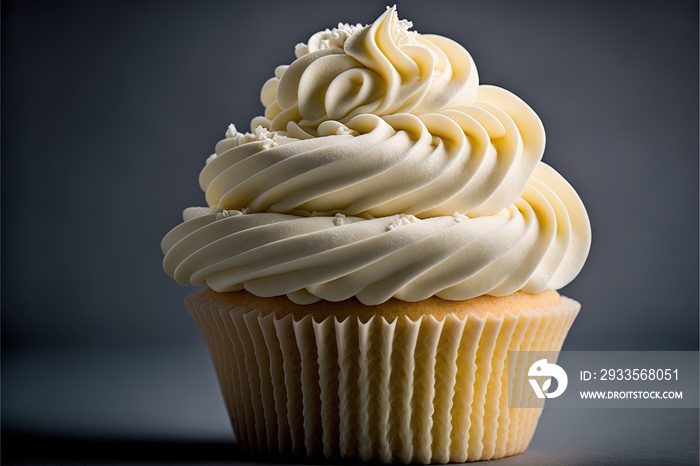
(381, 168)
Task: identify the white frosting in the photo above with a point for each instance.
(382, 169)
(475, 159)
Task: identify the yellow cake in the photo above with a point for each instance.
(422, 382)
(374, 248)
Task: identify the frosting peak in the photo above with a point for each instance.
(382, 68)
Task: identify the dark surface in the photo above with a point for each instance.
(32, 449)
(110, 108)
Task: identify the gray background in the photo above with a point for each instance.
(110, 108)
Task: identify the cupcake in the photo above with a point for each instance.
(374, 248)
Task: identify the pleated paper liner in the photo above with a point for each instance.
(399, 390)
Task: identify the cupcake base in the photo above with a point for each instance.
(422, 382)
